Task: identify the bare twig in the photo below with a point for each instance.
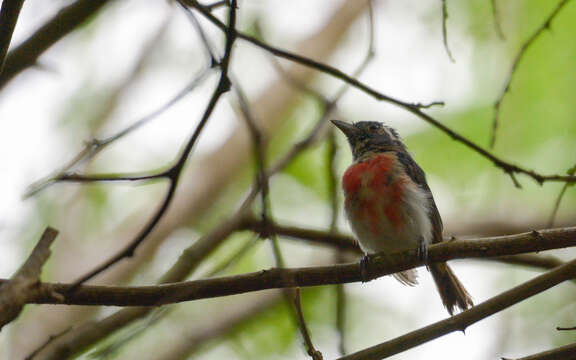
(559, 198)
(444, 31)
(23, 285)
(413, 108)
(566, 328)
(519, 56)
(173, 174)
(463, 320)
(207, 45)
(8, 17)
(311, 350)
(497, 20)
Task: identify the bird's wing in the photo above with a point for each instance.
(415, 172)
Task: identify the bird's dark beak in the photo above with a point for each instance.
(348, 129)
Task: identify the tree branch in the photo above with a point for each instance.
(18, 291)
(463, 320)
(304, 277)
(444, 31)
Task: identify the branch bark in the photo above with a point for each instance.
(20, 289)
(303, 277)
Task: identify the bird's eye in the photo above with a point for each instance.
(374, 127)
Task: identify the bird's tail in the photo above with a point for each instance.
(408, 277)
(451, 290)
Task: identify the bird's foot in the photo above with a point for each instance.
(422, 251)
(365, 268)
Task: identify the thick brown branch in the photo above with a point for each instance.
(304, 277)
(463, 320)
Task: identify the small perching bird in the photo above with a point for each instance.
(390, 206)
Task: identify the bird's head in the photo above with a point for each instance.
(370, 137)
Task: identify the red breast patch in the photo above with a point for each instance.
(377, 188)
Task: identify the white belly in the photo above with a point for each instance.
(415, 228)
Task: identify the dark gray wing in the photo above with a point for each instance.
(415, 172)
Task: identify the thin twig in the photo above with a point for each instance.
(311, 350)
(444, 31)
(552, 218)
(173, 174)
(8, 17)
(519, 56)
(413, 108)
(565, 328)
(497, 20)
(469, 317)
(207, 45)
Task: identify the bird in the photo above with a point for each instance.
(390, 207)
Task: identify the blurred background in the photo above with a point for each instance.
(131, 58)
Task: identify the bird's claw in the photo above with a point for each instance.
(364, 268)
(422, 251)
